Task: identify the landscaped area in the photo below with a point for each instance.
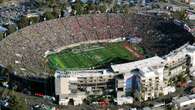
(90, 56)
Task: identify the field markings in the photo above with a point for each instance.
(93, 56)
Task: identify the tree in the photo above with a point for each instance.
(80, 8)
(11, 28)
(23, 22)
(116, 8)
(8, 70)
(181, 78)
(180, 15)
(165, 1)
(102, 8)
(125, 9)
(48, 15)
(91, 7)
(34, 20)
(17, 102)
(52, 3)
(170, 107)
(63, 6)
(77, 7)
(1, 36)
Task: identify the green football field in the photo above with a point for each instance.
(89, 56)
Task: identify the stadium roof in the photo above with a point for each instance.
(127, 67)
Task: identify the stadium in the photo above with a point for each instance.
(89, 41)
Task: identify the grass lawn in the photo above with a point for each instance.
(90, 56)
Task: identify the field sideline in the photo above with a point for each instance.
(90, 56)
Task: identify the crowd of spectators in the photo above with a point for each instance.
(25, 49)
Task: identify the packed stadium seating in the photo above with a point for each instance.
(25, 49)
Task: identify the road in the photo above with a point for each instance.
(178, 3)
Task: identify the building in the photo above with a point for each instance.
(191, 2)
(185, 102)
(70, 85)
(181, 60)
(140, 1)
(151, 83)
(144, 79)
(124, 100)
(191, 16)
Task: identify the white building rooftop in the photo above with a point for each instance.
(84, 73)
(180, 53)
(148, 72)
(185, 100)
(149, 62)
